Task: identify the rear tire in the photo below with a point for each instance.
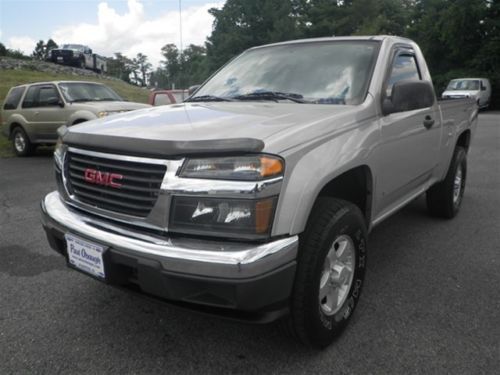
(21, 142)
(445, 198)
(330, 272)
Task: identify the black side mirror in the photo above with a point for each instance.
(483, 87)
(408, 96)
(193, 89)
(55, 101)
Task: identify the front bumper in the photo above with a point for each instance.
(227, 276)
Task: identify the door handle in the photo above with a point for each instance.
(37, 113)
(428, 122)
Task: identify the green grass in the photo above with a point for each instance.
(10, 78)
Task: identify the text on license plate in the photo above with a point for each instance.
(85, 255)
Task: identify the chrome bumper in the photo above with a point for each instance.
(188, 256)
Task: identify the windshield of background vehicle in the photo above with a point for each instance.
(464, 84)
(320, 72)
(77, 47)
(87, 92)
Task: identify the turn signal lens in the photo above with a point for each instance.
(244, 168)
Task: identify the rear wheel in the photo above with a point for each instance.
(330, 272)
(444, 198)
(21, 142)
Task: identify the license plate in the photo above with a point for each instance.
(85, 255)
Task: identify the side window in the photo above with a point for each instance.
(14, 98)
(403, 68)
(47, 96)
(161, 99)
(30, 97)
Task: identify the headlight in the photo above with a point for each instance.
(109, 113)
(233, 218)
(246, 168)
(59, 152)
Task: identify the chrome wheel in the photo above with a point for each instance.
(19, 142)
(457, 185)
(337, 275)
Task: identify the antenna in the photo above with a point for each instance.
(180, 45)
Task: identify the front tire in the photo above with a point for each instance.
(330, 272)
(445, 198)
(21, 142)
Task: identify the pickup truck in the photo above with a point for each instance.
(254, 198)
(78, 55)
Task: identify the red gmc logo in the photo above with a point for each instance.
(96, 177)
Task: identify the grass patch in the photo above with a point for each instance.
(10, 78)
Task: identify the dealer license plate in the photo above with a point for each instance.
(60, 58)
(85, 255)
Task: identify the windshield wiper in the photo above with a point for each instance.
(106, 100)
(209, 98)
(81, 100)
(271, 95)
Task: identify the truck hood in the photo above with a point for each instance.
(193, 128)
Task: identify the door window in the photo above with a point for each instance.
(404, 68)
(30, 97)
(47, 96)
(14, 98)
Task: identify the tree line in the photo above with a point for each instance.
(460, 38)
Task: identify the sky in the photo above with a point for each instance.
(106, 26)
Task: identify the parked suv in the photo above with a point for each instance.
(32, 113)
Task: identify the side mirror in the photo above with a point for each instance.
(408, 95)
(193, 89)
(483, 87)
(55, 101)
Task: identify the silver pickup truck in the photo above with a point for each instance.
(254, 198)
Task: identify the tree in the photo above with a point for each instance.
(39, 51)
(3, 50)
(120, 67)
(242, 24)
(49, 46)
(143, 66)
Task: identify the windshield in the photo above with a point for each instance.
(463, 84)
(318, 72)
(77, 47)
(87, 92)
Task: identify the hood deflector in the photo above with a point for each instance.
(159, 148)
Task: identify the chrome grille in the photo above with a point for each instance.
(139, 186)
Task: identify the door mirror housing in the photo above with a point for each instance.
(55, 101)
(193, 89)
(408, 95)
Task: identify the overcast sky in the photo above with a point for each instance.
(106, 26)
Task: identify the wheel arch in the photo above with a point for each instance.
(463, 139)
(355, 186)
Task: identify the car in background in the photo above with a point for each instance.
(78, 55)
(477, 88)
(32, 113)
(164, 97)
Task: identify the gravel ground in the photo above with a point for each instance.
(430, 305)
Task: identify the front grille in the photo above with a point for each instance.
(138, 193)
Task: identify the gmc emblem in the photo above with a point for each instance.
(96, 177)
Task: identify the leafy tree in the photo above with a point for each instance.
(120, 67)
(39, 51)
(242, 24)
(49, 46)
(140, 62)
(3, 50)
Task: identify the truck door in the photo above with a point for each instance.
(409, 149)
(43, 113)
